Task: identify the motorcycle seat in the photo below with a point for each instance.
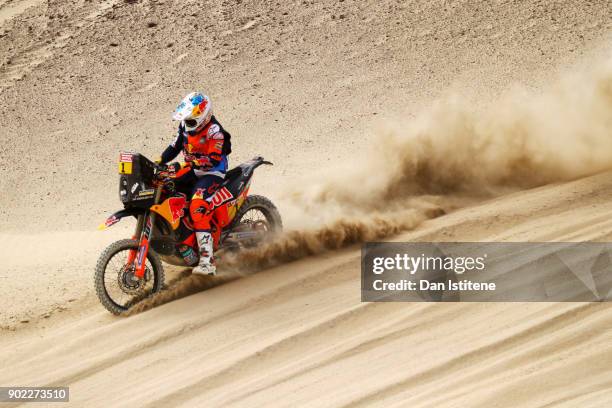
(232, 175)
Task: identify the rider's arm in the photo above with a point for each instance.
(174, 149)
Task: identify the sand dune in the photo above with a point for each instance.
(299, 331)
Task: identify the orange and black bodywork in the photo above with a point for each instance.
(164, 224)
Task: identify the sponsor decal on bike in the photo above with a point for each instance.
(141, 253)
(143, 195)
(177, 206)
(147, 228)
(143, 249)
(221, 196)
(126, 157)
(199, 194)
(112, 220)
(146, 193)
(125, 163)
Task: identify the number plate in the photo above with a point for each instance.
(125, 163)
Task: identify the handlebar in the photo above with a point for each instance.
(159, 167)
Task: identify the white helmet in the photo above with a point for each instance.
(195, 111)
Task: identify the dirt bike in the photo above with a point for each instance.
(131, 269)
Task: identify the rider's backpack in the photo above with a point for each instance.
(227, 138)
(227, 143)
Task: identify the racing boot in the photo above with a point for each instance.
(206, 266)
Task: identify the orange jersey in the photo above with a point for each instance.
(207, 143)
(206, 151)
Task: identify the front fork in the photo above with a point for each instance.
(139, 225)
(144, 230)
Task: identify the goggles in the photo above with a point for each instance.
(191, 123)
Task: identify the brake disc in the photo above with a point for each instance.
(127, 281)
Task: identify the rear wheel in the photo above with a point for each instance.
(115, 281)
(257, 215)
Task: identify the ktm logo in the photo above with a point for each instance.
(221, 196)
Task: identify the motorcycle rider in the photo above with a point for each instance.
(205, 146)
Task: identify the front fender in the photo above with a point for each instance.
(116, 217)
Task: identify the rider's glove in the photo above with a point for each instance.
(169, 170)
(174, 167)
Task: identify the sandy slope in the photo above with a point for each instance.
(304, 84)
(298, 334)
(307, 85)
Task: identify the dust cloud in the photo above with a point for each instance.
(421, 169)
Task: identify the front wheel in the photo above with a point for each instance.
(114, 277)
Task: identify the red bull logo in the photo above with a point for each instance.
(176, 204)
(221, 196)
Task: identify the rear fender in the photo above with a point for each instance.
(238, 185)
(116, 217)
(249, 167)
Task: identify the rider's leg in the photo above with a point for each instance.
(201, 214)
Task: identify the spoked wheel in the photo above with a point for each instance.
(258, 218)
(255, 220)
(116, 285)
